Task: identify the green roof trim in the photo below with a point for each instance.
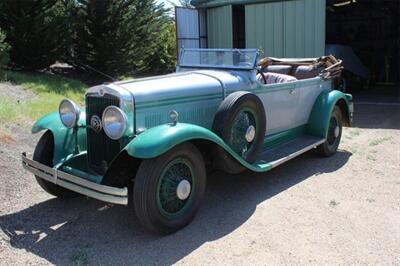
(215, 3)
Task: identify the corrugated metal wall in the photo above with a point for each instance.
(191, 28)
(219, 27)
(287, 29)
(187, 27)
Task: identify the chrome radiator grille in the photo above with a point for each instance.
(101, 150)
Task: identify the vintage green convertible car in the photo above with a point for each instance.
(151, 141)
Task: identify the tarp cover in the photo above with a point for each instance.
(351, 62)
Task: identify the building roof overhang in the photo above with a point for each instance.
(216, 3)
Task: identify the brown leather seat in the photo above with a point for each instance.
(282, 69)
(272, 78)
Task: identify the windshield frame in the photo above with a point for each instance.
(213, 66)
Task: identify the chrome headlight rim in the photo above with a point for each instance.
(124, 122)
(75, 112)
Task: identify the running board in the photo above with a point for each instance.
(283, 153)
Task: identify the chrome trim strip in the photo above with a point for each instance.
(295, 154)
(77, 184)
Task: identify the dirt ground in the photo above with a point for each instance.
(311, 210)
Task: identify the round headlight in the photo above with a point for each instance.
(114, 122)
(69, 113)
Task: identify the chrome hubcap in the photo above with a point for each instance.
(183, 190)
(250, 133)
(337, 131)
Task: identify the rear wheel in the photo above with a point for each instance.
(168, 189)
(44, 154)
(330, 146)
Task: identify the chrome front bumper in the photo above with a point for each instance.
(77, 184)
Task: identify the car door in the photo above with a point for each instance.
(280, 103)
(308, 91)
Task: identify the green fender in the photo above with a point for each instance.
(319, 118)
(158, 140)
(64, 138)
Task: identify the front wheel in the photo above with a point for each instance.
(168, 189)
(44, 154)
(330, 146)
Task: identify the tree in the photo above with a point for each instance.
(164, 57)
(154, 38)
(121, 37)
(36, 31)
(182, 3)
(185, 3)
(4, 49)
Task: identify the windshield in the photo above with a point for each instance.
(219, 58)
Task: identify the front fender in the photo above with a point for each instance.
(158, 140)
(65, 139)
(319, 118)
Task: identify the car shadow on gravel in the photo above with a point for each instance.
(83, 230)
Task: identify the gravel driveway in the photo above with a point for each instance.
(311, 210)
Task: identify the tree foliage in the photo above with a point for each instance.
(185, 3)
(116, 37)
(4, 49)
(35, 30)
(122, 37)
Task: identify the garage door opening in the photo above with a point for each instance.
(238, 26)
(366, 35)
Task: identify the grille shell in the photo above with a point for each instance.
(101, 150)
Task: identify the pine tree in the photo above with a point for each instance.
(121, 37)
(4, 49)
(36, 31)
(150, 28)
(164, 57)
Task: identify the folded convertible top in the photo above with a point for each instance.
(330, 66)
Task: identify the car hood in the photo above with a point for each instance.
(184, 84)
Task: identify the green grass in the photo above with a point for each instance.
(49, 90)
(354, 133)
(370, 200)
(376, 142)
(79, 258)
(333, 203)
(8, 109)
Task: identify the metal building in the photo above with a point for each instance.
(286, 28)
(364, 33)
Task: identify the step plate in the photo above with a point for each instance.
(289, 150)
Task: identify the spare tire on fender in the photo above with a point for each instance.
(240, 121)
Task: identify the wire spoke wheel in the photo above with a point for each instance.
(240, 122)
(168, 189)
(334, 134)
(333, 131)
(175, 187)
(243, 131)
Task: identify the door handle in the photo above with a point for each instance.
(292, 91)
